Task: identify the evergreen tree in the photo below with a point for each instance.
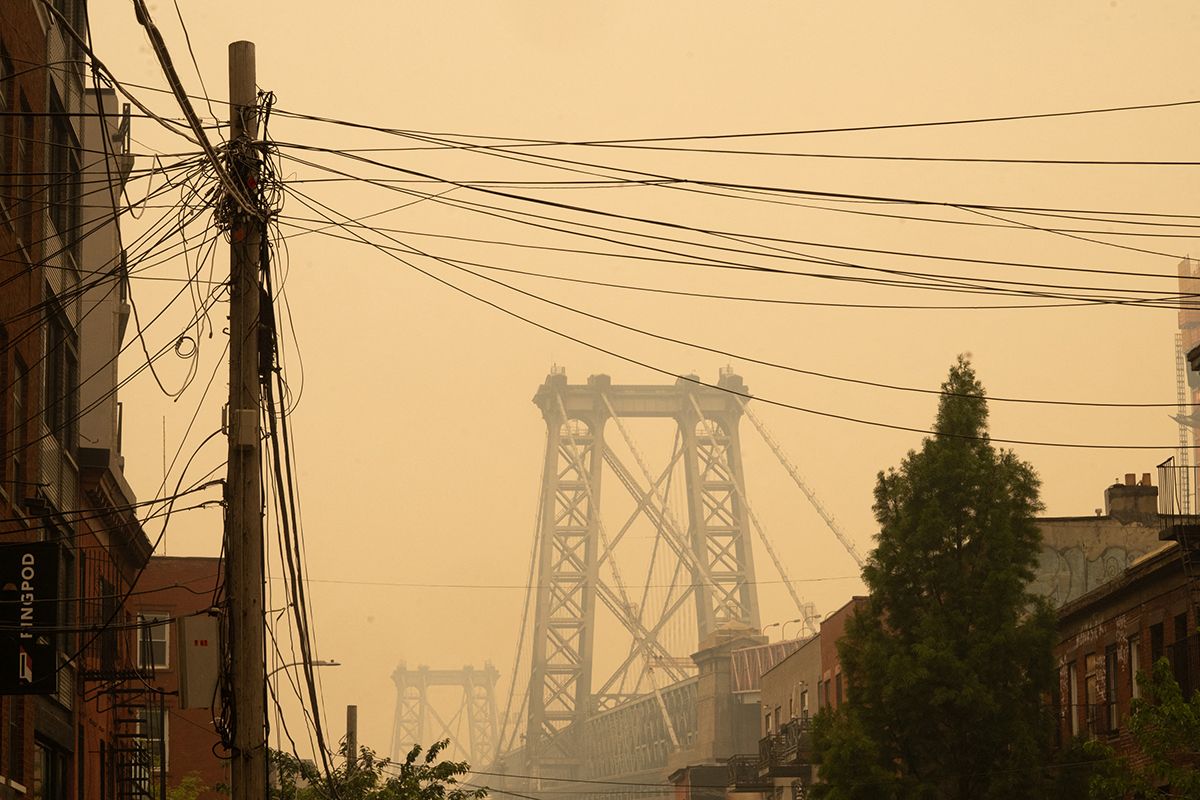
(948, 665)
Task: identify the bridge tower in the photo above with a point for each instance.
(472, 694)
(711, 552)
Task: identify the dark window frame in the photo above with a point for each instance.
(1111, 674)
(65, 173)
(61, 400)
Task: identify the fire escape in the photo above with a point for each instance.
(784, 760)
(133, 760)
(1181, 524)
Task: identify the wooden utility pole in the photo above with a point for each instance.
(244, 534)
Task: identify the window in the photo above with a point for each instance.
(108, 639)
(64, 177)
(821, 701)
(1110, 687)
(778, 718)
(20, 426)
(767, 729)
(72, 11)
(1179, 655)
(1135, 666)
(1156, 643)
(804, 702)
(6, 422)
(153, 640)
(62, 380)
(1073, 697)
(6, 128)
(154, 736)
(1091, 664)
(49, 773)
(837, 688)
(16, 742)
(26, 138)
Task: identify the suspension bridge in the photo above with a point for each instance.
(641, 638)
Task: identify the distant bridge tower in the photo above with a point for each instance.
(422, 719)
(711, 554)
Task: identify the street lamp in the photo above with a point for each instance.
(768, 627)
(783, 630)
(298, 663)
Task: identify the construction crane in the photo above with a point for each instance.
(1183, 418)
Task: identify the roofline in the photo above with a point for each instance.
(815, 640)
(1143, 568)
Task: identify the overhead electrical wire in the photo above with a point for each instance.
(671, 182)
(784, 254)
(669, 179)
(745, 395)
(776, 133)
(740, 356)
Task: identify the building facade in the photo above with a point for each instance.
(72, 724)
(175, 588)
(1113, 633)
(1081, 553)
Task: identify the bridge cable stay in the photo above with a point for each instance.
(529, 590)
(804, 608)
(569, 730)
(667, 614)
(677, 539)
(654, 562)
(777, 449)
(662, 707)
(662, 511)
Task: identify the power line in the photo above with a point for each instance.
(785, 254)
(518, 141)
(860, 381)
(497, 586)
(745, 395)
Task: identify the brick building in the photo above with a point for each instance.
(1081, 553)
(1110, 634)
(175, 587)
(72, 724)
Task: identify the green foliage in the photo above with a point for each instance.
(190, 787)
(418, 777)
(950, 660)
(1165, 727)
(1078, 765)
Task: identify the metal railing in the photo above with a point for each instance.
(790, 747)
(1177, 485)
(744, 773)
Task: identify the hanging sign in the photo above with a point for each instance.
(28, 617)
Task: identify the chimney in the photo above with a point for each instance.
(1133, 500)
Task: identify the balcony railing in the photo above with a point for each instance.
(1177, 501)
(787, 753)
(744, 775)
